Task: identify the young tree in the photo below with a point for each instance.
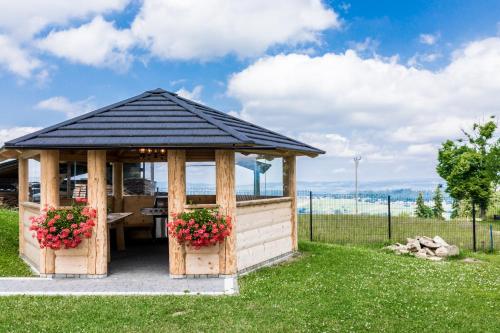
(438, 209)
(422, 210)
(471, 167)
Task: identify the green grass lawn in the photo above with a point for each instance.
(364, 229)
(329, 288)
(10, 263)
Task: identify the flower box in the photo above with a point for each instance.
(204, 260)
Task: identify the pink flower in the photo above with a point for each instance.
(69, 217)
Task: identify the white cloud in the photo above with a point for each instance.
(348, 91)
(206, 29)
(20, 21)
(194, 94)
(419, 58)
(167, 29)
(15, 59)
(429, 39)
(424, 149)
(369, 44)
(333, 144)
(25, 18)
(69, 108)
(377, 107)
(97, 43)
(7, 134)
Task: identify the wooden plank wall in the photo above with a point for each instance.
(263, 232)
(31, 248)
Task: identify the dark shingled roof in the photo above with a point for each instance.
(158, 118)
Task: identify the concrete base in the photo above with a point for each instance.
(141, 270)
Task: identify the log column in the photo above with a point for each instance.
(290, 190)
(226, 200)
(23, 195)
(49, 197)
(176, 202)
(118, 206)
(97, 199)
(118, 186)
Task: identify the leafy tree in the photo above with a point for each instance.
(471, 167)
(422, 209)
(438, 209)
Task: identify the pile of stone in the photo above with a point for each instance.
(435, 249)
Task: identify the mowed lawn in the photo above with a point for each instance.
(372, 229)
(329, 288)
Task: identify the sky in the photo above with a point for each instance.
(386, 80)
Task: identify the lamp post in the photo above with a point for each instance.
(356, 164)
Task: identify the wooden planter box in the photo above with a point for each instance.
(72, 261)
(202, 261)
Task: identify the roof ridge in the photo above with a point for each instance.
(254, 125)
(215, 122)
(76, 119)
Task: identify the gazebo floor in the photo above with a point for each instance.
(140, 270)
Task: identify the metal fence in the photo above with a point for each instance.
(378, 218)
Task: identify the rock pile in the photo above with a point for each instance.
(434, 249)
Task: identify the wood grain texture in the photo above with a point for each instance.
(226, 200)
(176, 202)
(23, 194)
(290, 190)
(264, 232)
(49, 197)
(202, 261)
(133, 204)
(31, 246)
(118, 187)
(97, 262)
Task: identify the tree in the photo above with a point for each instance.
(471, 166)
(422, 209)
(438, 209)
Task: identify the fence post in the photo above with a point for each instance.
(492, 247)
(474, 227)
(389, 216)
(310, 216)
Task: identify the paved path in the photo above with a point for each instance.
(132, 273)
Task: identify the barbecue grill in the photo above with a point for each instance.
(159, 213)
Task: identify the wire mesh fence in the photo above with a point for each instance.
(378, 218)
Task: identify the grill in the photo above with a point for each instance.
(159, 213)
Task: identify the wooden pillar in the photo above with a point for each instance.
(226, 200)
(23, 195)
(97, 199)
(118, 186)
(49, 197)
(290, 190)
(176, 202)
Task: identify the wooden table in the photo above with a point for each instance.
(115, 221)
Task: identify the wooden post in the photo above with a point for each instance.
(290, 190)
(97, 199)
(23, 188)
(118, 187)
(49, 197)
(226, 200)
(176, 202)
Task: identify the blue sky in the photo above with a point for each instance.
(388, 80)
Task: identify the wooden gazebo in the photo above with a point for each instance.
(178, 131)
